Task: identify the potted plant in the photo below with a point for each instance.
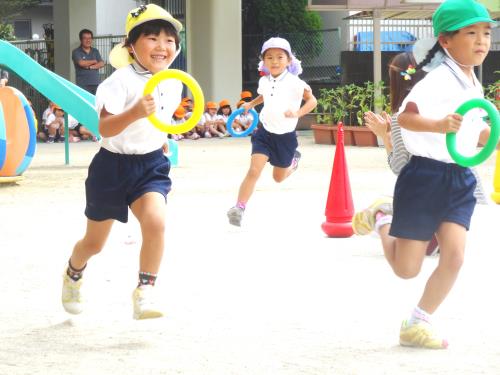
(347, 104)
(363, 100)
(322, 130)
(331, 109)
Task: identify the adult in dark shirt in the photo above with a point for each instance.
(88, 61)
(4, 77)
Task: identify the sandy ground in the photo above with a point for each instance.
(274, 297)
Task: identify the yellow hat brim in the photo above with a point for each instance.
(119, 56)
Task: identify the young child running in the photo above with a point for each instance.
(402, 77)
(432, 193)
(281, 91)
(130, 169)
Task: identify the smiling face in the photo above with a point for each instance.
(276, 61)
(154, 52)
(470, 45)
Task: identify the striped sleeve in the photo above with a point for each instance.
(400, 155)
(479, 191)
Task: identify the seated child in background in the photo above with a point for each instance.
(43, 131)
(246, 96)
(55, 124)
(77, 131)
(209, 121)
(179, 118)
(187, 104)
(243, 121)
(223, 114)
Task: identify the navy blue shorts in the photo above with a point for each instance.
(279, 148)
(115, 181)
(429, 192)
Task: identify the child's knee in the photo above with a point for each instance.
(254, 173)
(279, 177)
(280, 174)
(92, 246)
(154, 224)
(452, 262)
(407, 271)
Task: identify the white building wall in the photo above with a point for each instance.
(214, 47)
(111, 16)
(70, 16)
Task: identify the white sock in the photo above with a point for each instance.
(381, 221)
(419, 315)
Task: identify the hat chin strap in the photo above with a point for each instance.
(141, 65)
(455, 61)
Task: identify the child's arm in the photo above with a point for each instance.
(411, 119)
(111, 125)
(258, 100)
(309, 105)
(484, 135)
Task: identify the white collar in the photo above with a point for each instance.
(459, 73)
(278, 78)
(140, 70)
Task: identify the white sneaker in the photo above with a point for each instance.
(235, 214)
(71, 295)
(144, 303)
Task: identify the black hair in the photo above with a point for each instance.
(152, 27)
(219, 111)
(399, 86)
(284, 50)
(436, 48)
(85, 31)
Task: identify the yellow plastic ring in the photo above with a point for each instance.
(198, 98)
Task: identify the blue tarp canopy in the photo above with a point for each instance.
(390, 40)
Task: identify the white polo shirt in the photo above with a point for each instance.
(281, 94)
(119, 92)
(438, 94)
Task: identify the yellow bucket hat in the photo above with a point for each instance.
(119, 55)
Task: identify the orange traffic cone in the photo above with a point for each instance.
(339, 207)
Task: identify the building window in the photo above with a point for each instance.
(22, 29)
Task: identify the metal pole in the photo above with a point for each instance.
(66, 138)
(377, 59)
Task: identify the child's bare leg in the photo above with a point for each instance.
(280, 174)
(85, 132)
(451, 238)
(92, 242)
(149, 210)
(53, 130)
(214, 131)
(404, 256)
(257, 164)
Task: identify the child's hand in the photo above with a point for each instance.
(246, 107)
(450, 124)
(378, 124)
(290, 113)
(144, 106)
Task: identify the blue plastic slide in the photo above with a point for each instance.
(73, 99)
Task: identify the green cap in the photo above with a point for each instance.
(456, 14)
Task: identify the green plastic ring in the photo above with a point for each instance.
(489, 147)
